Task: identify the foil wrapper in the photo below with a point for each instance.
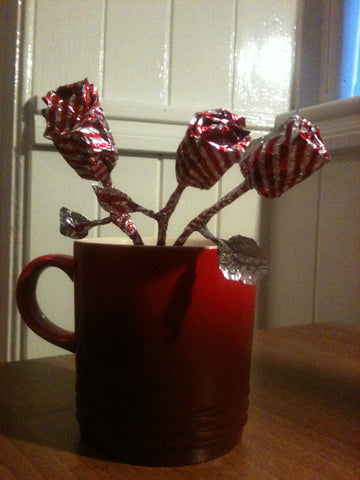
(119, 205)
(114, 201)
(74, 224)
(127, 225)
(213, 142)
(283, 158)
(240, 258)
(76, 124)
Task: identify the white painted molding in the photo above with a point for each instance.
(173, 115)
(16, 83)
(138, 129)
(167, 114)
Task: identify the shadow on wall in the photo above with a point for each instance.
(264, 241)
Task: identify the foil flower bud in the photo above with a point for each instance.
(76, 124)
(213, 142)
(283, 158)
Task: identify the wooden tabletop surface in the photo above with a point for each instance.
(304, 418)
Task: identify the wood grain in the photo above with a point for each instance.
(303, 419)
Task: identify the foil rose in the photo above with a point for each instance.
(271, 164)
(76, 124)
(284, 157)
(213, 142)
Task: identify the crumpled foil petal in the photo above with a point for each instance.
(240, 258)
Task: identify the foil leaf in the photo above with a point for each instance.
(113, 200)
(119, 205)
(240, 258)
(74, 224)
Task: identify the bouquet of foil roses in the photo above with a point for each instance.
(214, 141)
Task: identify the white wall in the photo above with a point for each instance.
(313, 231)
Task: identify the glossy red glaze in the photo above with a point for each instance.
(163, 348)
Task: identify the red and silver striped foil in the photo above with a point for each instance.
(114, 201)
(213, 142)
(283, 158)
(76, 124)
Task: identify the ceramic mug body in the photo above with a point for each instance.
(163, 350)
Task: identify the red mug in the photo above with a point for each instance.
(163, 349)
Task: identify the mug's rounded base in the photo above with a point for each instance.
(160, 456)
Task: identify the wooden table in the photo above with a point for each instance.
(303, 420)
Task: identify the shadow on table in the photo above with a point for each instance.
(37, 405)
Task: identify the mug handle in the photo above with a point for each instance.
(29, 307)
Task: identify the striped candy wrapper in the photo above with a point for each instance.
(283, 158)
(213, 142)
(76, 124)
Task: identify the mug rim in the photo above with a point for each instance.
(148, 242)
